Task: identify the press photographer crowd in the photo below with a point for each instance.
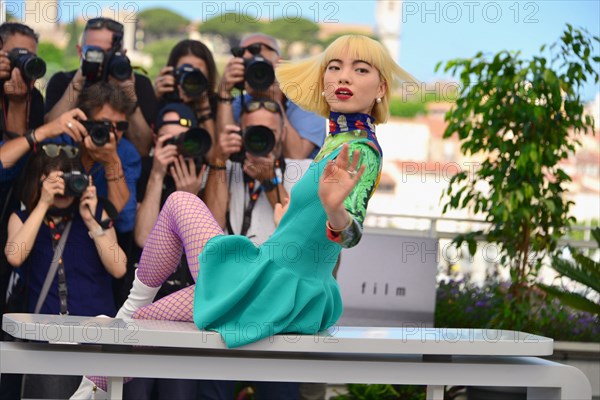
(87, 166)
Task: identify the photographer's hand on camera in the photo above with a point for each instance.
(230, 142)
(184, 175)
(260, 168)
(52, 185)
(164, 155)
(68, 123)
(4, 66)
(165, 82)
(16, 89)
(232, 75)
(106, 154)
(87, 206)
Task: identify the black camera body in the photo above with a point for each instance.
(96, 65)
(99, 131)
(191, 80)
(193, 143)
(75, 183)
(257, 140)
(259, 73)
(31, 66)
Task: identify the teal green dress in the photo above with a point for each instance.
(247, 293)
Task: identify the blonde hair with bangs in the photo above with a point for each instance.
(302, 81)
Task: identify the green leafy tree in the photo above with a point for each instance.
(231, 26)
(518, 115)
(290, 31)
(160, 22)
(74, 30)
(583, 270)
(159, 50)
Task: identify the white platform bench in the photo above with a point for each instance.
(161, 349)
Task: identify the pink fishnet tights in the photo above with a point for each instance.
(183, 223)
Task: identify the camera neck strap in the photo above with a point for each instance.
(110, 209)
(253, 195)
(59, 233)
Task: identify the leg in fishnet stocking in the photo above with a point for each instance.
(183, 221)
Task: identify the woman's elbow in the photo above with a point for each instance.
(119, 269)
(13, 258)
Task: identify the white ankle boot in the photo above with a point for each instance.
(88, 390)
(139, 296)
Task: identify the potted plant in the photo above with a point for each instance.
(522, 117)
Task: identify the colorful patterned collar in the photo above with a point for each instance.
(339, 122)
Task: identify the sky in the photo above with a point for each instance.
(431, 31)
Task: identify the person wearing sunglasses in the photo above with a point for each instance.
(114, 163)
(242, 197)
(64, 88)
(305, 130)
(91, 256)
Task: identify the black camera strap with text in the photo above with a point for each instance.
(253, 195)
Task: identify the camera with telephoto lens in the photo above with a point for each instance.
(31, 66)
(257, 140)
(259, 73)
(75, 183)
(191, 80)
(193, 143)
(99, 131)
(96, 65)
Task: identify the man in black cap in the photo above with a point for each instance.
(168, 170)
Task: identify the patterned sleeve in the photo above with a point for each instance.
(356, 202)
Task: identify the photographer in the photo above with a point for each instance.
(103, 59)
(22, 104)
(190, 77)
(259, 54)
(22, 110)
(110, 158)
(57, 205)
(170, 169)
(243, 196)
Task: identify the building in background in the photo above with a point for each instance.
(388, 17)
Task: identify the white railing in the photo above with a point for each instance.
(449, 228)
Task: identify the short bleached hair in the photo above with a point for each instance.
(302, 81)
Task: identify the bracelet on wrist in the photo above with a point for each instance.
(115, 179)
(31, 139)
(217, 167)
(205, 117)
(270, 184)
(339, 230)
(225, 99)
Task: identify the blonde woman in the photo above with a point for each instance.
(285, 285)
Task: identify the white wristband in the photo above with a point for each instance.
(96, 233)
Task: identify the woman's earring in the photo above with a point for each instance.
(378, 100)
(323, 93)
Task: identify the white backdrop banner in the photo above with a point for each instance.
(389, 280)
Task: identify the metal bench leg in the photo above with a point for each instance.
(435, 392)
(115, 388)
(543, 393)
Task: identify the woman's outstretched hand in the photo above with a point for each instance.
(337, 181)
